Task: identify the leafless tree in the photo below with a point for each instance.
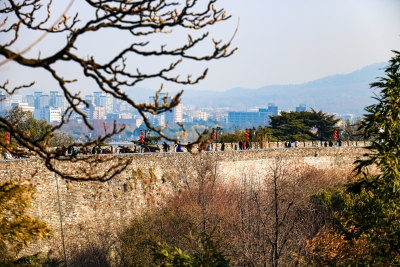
(142, 20)
(351, 131)
(201, 181)
(275, 217)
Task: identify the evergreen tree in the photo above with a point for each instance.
(304, 125)
(367, 224)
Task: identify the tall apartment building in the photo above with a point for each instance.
(109, 104)
(60, 102)
(36, 96)
(53, 95)
(50, 114)
(30, 99)
(101, 104)
(89, 99)
(44, 101)
(97, 113)
(99, 99)
(175, 115)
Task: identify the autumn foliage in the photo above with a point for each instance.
(17, 229)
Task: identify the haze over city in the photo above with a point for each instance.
(279, 42)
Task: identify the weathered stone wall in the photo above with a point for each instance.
(89, 208)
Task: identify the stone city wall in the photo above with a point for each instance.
(91, 208)
(216, 146)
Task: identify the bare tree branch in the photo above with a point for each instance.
(138, 19)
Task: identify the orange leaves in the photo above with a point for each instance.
(329, 247)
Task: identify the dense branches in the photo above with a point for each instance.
(141, 21)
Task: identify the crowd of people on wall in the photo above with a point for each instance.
(165, 147)
(329, 143)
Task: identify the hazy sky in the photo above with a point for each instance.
(280, 42)
(294, 41)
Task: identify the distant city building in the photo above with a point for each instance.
(200, 115)
(26, 108)
(89, 99)
(272, 109)
(172, 116)
(16, 99)
(2, 102)
(12, 101)
(100, 99)
(175, 115)
(30, 99)
(158, 119)
(37, 96)
(116, 103)
(60, 102)
(97, 113)
(112, 116)
(53, 95)
(125, 116)
(301, 107)
(109, 103)
(51, 115)
(44, 101)
(252, 119)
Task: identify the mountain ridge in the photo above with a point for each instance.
(339, 93)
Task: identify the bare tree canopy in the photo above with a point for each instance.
(150, 24)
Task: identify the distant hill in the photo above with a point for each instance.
(342, 93)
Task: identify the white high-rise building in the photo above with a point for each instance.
(175, 115)
(109, 104)
(52, 115)
(25, 107)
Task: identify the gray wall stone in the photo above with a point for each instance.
(90, 208)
